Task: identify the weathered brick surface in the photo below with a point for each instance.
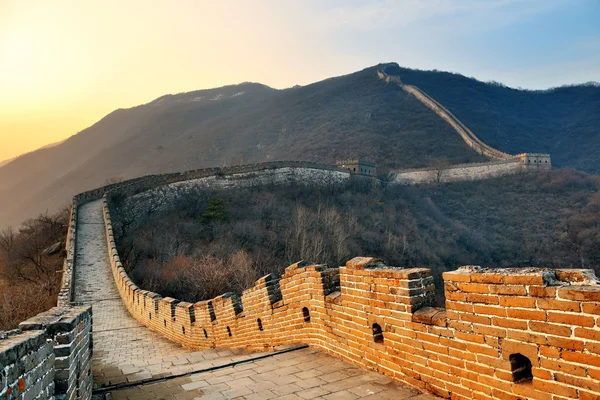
(69, 333)
(48, 357)
(27, 365)
(461, 352)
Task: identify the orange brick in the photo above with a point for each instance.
(454, 276)
(478, 319)
(502, 395)
(571, 319)
(522, 302)
(512, 290)
(554, 387)
(468, 337)
(489, 310)
(553, 304)
(527, 337)
(588, 396)
(456, 296)
(482, 349)
(474, 288)
(591, 308)
(549, 352)
(587, 333)
(465, 307)
(542, 291)
(593, 347)
(580, 358)
(561, 366)
(526, 314)
(585, 293)
(524, 279)
(482, 298)
(551, 329)
(541, 374)
(513, 347)
(487, 278)
(489, 330)
(509, 323)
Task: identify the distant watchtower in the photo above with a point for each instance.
(357, 166)
(535, 161)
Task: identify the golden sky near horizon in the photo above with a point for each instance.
(64, 64)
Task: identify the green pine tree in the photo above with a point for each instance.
(215, 211)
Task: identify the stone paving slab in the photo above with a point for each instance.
(300, 375)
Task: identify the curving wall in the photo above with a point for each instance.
(505, 333)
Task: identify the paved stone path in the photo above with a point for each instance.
(126, 352)
(299, 375)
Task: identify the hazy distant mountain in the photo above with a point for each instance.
(352, 115)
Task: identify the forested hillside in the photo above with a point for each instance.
(209, 242)
(563, 121)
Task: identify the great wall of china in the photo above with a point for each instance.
(501, 163)
(503, 333)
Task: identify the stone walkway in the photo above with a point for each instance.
(299, 375)
(126, 352)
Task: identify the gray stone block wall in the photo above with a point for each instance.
(26, 366)
(49, 357)
(69, 331)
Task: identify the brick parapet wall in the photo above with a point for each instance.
(462, 351)
(65, 295)
(49, 357)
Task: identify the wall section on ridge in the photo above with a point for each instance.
(457, 173)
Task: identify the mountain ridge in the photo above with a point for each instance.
(352, 115)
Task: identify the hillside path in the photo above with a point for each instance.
(126, 352)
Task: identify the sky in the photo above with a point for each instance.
(64, 64)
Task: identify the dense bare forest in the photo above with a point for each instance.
(204, 243)
(31, 260)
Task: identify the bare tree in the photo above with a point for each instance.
(440, 166)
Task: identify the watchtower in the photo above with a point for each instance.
(357, 166)
(535, 160)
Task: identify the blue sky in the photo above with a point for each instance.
(528, 43)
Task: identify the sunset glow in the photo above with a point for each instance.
(65, 64)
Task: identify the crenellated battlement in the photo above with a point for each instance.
(503, 333)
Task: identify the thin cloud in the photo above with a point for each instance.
(393, 14)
